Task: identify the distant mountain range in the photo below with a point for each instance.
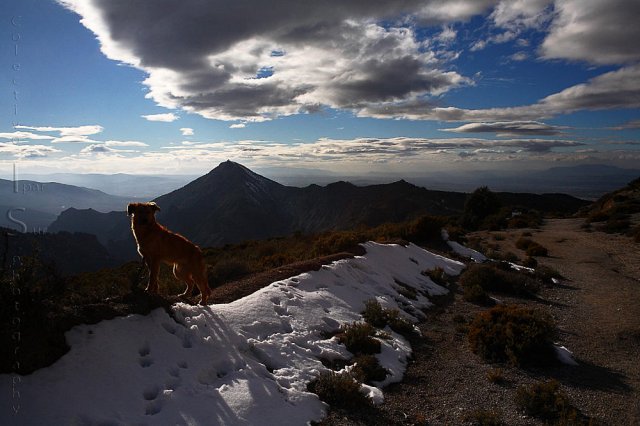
(232, 204)
(37, 204)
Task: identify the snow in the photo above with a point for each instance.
(458, 248)
(474, 255)
(243, 363)
(565, 355)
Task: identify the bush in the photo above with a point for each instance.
(227, 270)
(482, 417)
(489, 277)
(379, 317)
(358, 338)
(531, 247)
(496, 376)
(425, 228)
(475, 294)
(545, 400)
(367, 369)
(514, 334)
(530, 262)
(537, 250)
(479, 205)
(438, 276)
(338, 390)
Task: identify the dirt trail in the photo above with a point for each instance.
(601, 320)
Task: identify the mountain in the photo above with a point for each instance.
(232, 204)
(144, 187)
(36, 204)
(68, 253)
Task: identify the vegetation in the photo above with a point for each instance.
(514, 334)
(496, 376)
(531, 247)
(367, 369)
(546, 401)
(483, 417)
(358, 338)
(478, 279)
(375, 315)
(480, 204)
(339, 390)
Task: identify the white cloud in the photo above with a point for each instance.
(26, 151)
(519, 56)
(508, 128)
(186, 131)
(167, 118)
(19, 136)
(238, 126)
(595, 31)
(125, 143)
(66, 131)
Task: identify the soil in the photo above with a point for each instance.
(597, 311)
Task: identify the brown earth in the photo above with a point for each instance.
(597, 311)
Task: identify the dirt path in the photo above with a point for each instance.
(597, 312)
(601, 320)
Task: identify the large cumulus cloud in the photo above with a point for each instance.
(254, 60)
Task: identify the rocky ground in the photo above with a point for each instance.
(597, 311)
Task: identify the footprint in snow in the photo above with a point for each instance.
(170, 328)
(145, 356)
(151, 393)
(153, 407)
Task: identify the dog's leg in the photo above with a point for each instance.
(203, 284)
(154, 269)
(183, 274)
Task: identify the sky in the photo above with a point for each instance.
(348, 86)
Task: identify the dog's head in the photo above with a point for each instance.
(142, 213)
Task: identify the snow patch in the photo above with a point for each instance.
(243, 363)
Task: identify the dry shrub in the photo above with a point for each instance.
(492, 277)
(379, 317)
(483, 417)
(546, 401)
(367, 369)
(514, 334)
(338, 390)
(496, 376)
(358, 338)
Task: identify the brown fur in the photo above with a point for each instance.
(156, 245)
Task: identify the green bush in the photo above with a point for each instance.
(358, 338)
(338, 390)
(546, 401)
(480, 204)
(514, 334)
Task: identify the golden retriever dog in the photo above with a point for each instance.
(156, 245)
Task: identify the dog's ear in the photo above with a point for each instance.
(131, 208)
(155, 207)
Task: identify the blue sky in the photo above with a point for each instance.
(348, 86)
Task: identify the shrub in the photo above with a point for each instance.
(338, 390)
(546, 274)
(480, 204)
(531, 247)
(515, 334)
(379, 317)
(358, 338)
(537, 250)
(545, 400)
(367, 369)
(496, 376)
(374, 314)
(482, 417)
(530, 262)
(489, 277)
(227, 270)
(475, 294)
(425, 228)
(438, 276)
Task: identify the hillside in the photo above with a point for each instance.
(43, 201)
(231, 204)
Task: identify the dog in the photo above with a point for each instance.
(156, 245)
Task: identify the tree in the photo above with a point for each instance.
(480, 204)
